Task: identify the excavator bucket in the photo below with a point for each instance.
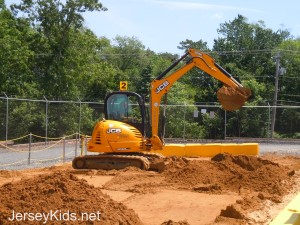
(233, 98)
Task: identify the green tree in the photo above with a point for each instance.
(213, 125)
(128, 56)
(144, 85)
(200, 45)
(16, 77)
(24, 118)
(63, 56)
(249, 46)
(92, 75)
(287, 121)
(246, 50)
(180, 122)
(56, 23)
(289, 81)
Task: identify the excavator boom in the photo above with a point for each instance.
(232, 95)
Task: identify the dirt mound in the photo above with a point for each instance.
(9, 173)
(58, 198)
(171, 222)
(232, 212)
(249, 163)
(245, 186)
(135, 180)
(225, 173)
(230, 173)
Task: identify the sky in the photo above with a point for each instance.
(162, 24)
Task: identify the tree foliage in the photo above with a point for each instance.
(16, 76)
(56, 24)
(46, 51)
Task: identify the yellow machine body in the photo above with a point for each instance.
(115, 136)
(111, 136)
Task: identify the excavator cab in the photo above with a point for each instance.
(127, 107)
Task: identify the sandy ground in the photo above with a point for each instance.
(223, 190)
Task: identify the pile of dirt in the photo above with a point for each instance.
(58, 198)
(9, 173)
(291, 161)
(224, 173)
(231, 173)
(135, 180)
(253, 183)
(171, 222)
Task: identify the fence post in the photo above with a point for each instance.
(85, 142)
(64, 149)
(29, 150)
(6, 123)
(46, 121)
(269, 123)
(76, 143)
(82, 144)
(79, 122)
(184, 118)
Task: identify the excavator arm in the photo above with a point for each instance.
(232, 95)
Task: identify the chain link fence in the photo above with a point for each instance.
(47, 118)
(57, 118)
(202, 121)
(37, 133)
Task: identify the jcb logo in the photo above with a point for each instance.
(114, 130)
(162, 86)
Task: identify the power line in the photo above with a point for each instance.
(254, 52)
(232, 52)
(288, 101)
(298, 96)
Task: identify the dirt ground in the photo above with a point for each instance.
(226, 189)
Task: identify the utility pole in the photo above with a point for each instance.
(277, 58)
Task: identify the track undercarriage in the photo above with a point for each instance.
(110, 161)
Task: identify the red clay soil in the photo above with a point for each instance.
(65, 198)
(253, 181)
(253, 178)
(232, 99)
(224, 173)
(228, 173)
(171, 222)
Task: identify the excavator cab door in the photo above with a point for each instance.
(127, 107)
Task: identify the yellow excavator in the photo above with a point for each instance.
(127, 137)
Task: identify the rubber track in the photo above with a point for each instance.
(129, 158)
